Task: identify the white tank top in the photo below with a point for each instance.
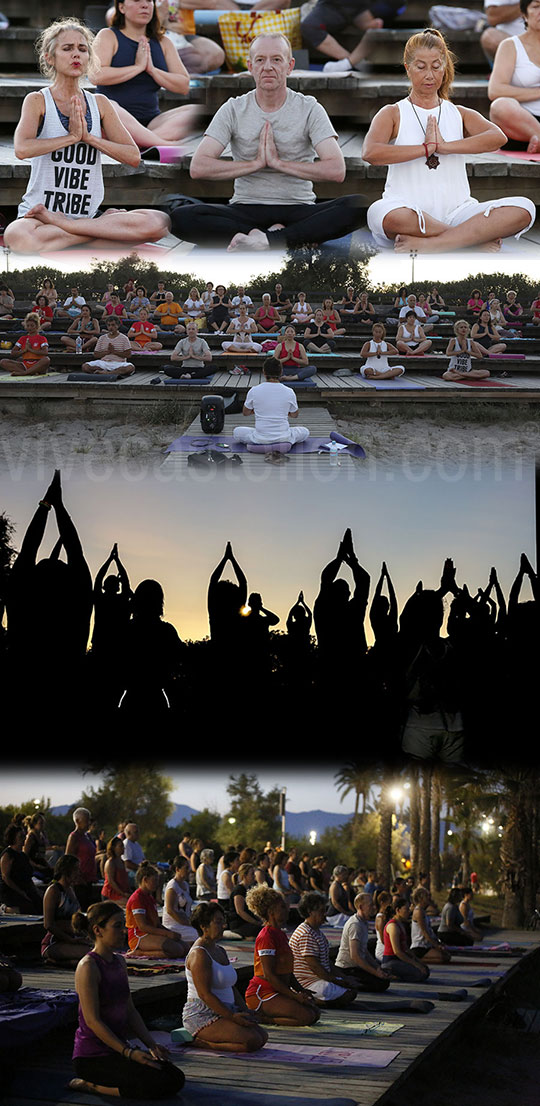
(68, 180)
(374, 362)
(222, 890)
(461, 361)
(436, 191)
(224, 978)
(408, 337)
(418, 941)
(526, 75)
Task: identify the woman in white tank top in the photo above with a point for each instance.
(215, 1012)
(411, 339)
(376, 351)
(461, 351)
(425, 139)
(64, 131)
(514, 85)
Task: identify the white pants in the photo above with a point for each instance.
(381, 208)
(249, 434)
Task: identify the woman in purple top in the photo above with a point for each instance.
(105, 1063)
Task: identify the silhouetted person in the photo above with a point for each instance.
(339, 617)
(225, 603)
(522, 654)
(433, 728)
(153, 656)
(382, 664)
(112, 597)
(299, 622)
(298, 652)
(49, 605)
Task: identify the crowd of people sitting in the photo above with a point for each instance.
(100, 899)
(429, 692)
(106, 333)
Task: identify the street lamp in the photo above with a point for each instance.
(412, 255)
(312, 836)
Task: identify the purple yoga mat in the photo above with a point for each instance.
(223, 443)
(164, 154)
(507, 356)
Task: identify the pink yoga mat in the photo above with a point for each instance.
(163, 154)
(521, 154)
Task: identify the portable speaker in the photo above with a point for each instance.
(212, 414)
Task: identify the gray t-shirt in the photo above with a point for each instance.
(298, 126)
(355, 929)
(192, 352)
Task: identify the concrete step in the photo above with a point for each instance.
(387, 44)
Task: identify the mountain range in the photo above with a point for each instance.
(297, 825)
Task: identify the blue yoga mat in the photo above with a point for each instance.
(397, 385)
(202, 380)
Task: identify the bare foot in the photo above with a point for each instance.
(491, 247)
(255, 240)
(534, 145)
(277, 226)
(39, 212)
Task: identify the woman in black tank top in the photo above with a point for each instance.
(137, 61)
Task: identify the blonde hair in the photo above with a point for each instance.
(48, 40)
(459, 322)
(383, 328)
(33, 315)
(261, 900)
(432, 39)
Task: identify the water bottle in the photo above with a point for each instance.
(78, 344)
(334, 453)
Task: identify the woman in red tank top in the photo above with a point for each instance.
(397, 957)
(293, 357)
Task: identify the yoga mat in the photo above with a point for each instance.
(506, 356)
(91, 378)
(317, 1054)
(521, 154)
(486, 383)
(30, 1085)
(350, 1029)
(299, 383)
(411, 1006)
(397, 385)
(227, 444)
(164, 154)
(201, 380)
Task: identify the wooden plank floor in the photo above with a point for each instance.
(317, 1081)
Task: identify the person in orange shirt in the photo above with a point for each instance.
(28, 357)
(143, 334)
(168, 314)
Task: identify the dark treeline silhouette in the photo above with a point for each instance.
(457, 697)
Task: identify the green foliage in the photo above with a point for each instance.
(256, 815)
(357, 847)
(136, 793)
(57, 826)
(206, 826)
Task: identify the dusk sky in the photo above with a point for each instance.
(284, 532)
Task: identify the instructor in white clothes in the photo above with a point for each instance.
(273, 404)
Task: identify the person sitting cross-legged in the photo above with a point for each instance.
(281, 143)
(293, 357)
(111, 348)
(353, 957)
(273, 992)
(191, 357)
(311, 952)
(273, 403)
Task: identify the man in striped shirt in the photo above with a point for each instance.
(311, 952)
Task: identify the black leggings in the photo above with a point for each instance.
(369, 982)
(132, 1079)
(329, 16)
(216, 224)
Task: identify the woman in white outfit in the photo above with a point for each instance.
(64, 131)
(242, 327)
(411, 339)
(376, 353)
(425, 139)
(461, 351)
(177, 902)
(514, 85)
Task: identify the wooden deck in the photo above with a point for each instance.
(233, 1081)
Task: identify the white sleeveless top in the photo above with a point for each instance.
(222, 890)
(183, 902)
(224, 978)
(437, 191)
(408, 337)
(526, 75)
(461, 361)
(68, 180)
(374, 362)
(418, 941)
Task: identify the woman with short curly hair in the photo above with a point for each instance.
(273, 992)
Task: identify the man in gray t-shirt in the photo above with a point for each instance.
(280, 142)
(191, 356)
(353, 955)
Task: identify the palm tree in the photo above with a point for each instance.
(354, 777)
(384, 847)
